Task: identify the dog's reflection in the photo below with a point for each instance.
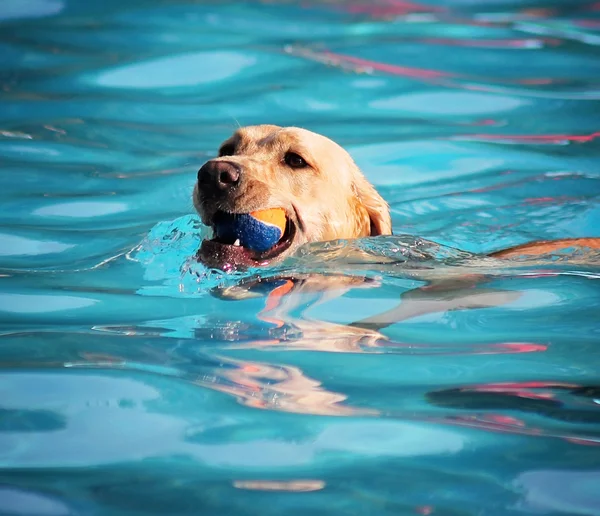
(288, 297)
(286, 324)
(279, 387)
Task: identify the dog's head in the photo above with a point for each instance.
(316, 182)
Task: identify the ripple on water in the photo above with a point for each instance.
(148, 383)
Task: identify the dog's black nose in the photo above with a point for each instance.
(219, 175)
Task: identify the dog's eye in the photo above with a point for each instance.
(293, 160)
(227, 150)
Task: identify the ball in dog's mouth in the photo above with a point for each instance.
(231, 248)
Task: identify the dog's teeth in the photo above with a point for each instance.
(237, 242)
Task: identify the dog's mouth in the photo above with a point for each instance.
(225, 252)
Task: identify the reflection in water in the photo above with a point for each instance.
(289, 299)
(536, 397)
(279, 387)
(269, 485)
(288, 294)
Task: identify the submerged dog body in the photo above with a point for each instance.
(323, 192)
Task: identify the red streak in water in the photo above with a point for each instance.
(406, 71)
(522, 389)
(584, 442)
(538, 138)
(476, 349)
(492, 422)
(537, 82)
(497, 423)
(541, 200)
(490, 43)
(589, 24)
(533, 385)
(505, 420)
(393, 8)
(522, 347)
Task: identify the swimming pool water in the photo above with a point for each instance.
(132, 383)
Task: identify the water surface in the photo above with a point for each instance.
(132, 383)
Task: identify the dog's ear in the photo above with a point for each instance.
(377, 208)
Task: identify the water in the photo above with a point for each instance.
(134, 381)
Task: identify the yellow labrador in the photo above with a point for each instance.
(323, 192)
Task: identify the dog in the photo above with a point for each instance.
(323, 192)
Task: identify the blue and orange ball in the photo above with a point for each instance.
(258, 230)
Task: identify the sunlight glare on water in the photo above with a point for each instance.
(136, 381)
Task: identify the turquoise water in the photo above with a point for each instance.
(132, 383)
